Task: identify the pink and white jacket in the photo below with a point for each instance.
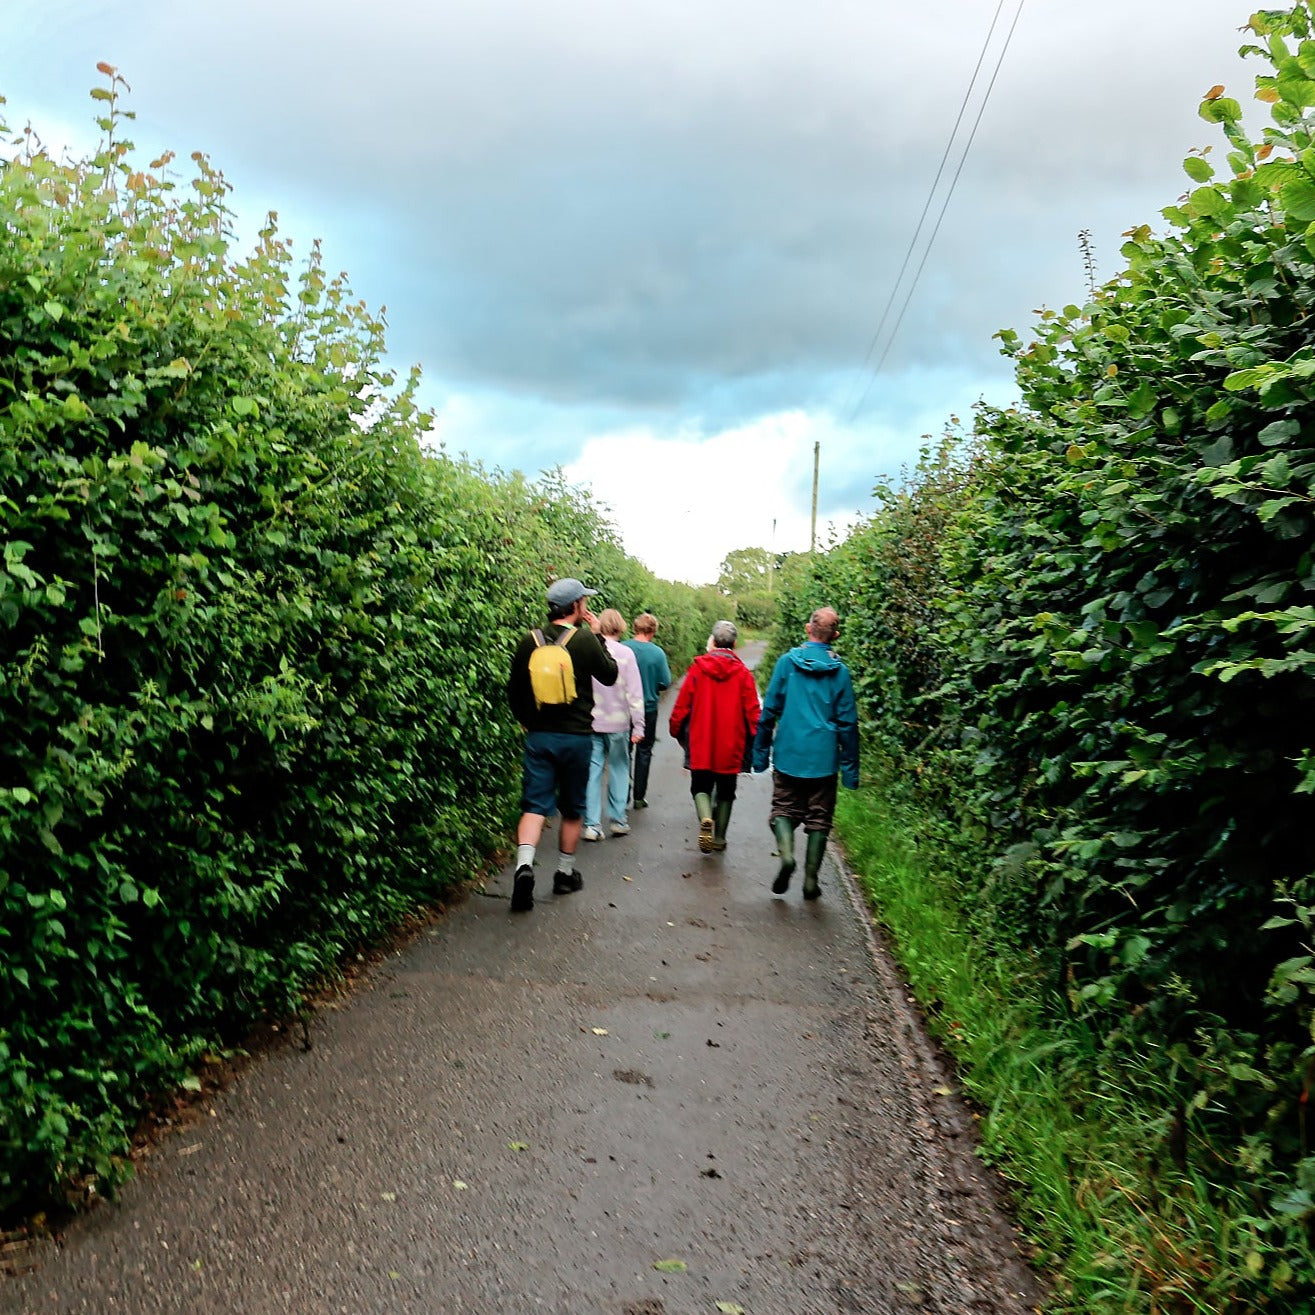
(620, 705)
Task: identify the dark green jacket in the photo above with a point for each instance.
(591, 661)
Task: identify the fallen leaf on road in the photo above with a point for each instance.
(730, 1308)
(943, 1091)
(459, 1185)
(518, 1146)
(388, 1196)
(627, 878)
(599, 1031)
(671, 1266)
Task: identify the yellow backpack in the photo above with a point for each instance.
(552, 673)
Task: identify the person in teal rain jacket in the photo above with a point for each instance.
(809, 732)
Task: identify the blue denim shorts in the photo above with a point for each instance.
(556, 774)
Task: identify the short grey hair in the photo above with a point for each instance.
(724, 634)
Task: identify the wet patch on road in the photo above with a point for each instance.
(633, 1076)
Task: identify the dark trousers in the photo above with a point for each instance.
(720, 787)
(644, 755)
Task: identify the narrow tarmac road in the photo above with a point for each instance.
(532, 1113)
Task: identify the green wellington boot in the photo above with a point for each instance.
(703, 807)
(784, 832)
(813, 863)
(721, 816)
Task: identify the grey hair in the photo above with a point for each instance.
(724, 634)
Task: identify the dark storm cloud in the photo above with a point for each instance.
(680, 217)
(635, 204)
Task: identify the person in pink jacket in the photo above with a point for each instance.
(618, 723)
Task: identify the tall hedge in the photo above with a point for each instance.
(1138, 585)
(253, 640)
(1093, 628)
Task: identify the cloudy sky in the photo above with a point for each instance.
(652, 242)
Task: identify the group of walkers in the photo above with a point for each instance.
(588, 700)
(624, 721)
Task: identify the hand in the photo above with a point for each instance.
(634, 739)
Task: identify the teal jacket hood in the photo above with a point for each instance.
(815, 658)
(809, 723)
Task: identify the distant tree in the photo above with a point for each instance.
(746, 571)
(755, 611)
(792, 567)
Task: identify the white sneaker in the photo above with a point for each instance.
(591, 833)
(620, 828)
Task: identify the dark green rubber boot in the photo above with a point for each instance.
(813, 863)
(721, 817)
(703, 807)
(783, 829)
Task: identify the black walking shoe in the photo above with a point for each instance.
(640, 803)
(522, 890)
(567, 883)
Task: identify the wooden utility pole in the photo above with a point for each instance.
(812, 534)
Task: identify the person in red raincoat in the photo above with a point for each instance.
(715, 717)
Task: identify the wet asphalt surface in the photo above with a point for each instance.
(528, 1113)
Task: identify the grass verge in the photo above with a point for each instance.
(1080, 1137)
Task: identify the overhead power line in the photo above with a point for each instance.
(931, 193)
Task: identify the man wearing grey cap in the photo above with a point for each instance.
(558, 737)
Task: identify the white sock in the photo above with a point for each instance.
(524, 856)
(565, 862)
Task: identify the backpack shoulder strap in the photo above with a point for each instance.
(537, 635)
(565, 637)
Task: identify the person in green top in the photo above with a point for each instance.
(558, 740)
(655, 676)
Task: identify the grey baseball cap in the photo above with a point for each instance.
(562, 593)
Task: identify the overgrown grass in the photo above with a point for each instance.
(1084, 1140)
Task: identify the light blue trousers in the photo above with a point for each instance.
(612, 748)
